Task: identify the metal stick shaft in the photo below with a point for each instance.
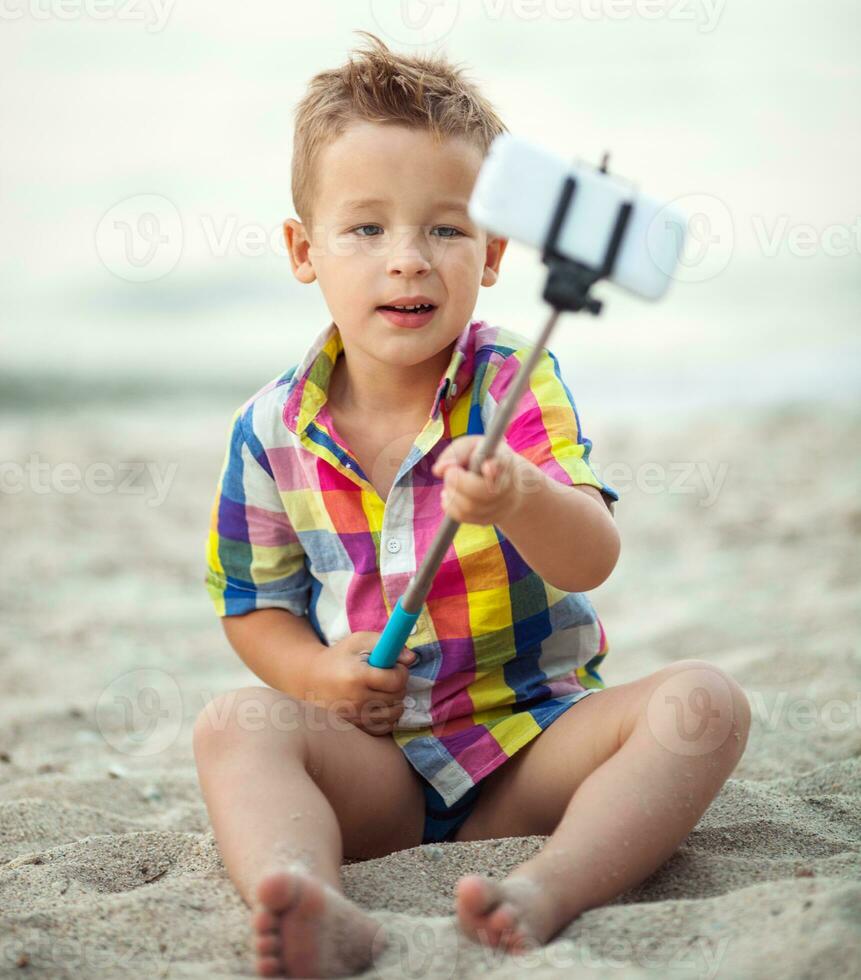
(420, 584)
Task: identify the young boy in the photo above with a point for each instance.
(337, 477)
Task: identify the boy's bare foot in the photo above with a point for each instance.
(516, 914)
(304, 928)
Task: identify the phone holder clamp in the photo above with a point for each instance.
(568, 282)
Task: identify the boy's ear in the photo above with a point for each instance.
(298, 246)
(495, 250)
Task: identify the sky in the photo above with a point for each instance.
(145, 175)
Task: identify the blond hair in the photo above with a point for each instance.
(421, 91)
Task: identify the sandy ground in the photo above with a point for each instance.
(107, 862)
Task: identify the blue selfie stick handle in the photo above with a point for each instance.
(393, 638)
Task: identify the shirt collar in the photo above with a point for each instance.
(307, 390)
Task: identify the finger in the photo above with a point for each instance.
(460, 449)
(451, 509)
(489, 470)
(378, 709)
(466, 509)
(458, 476)
(384, 697)
(458, 453)
(471, 487)
(466, 513)
(496, 474)
(462, 516)
(387, 680)
(380, 678)
(380, 704)
(443, 466)
(381, 719)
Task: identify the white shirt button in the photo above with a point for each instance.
(409, 702)
(393, 546)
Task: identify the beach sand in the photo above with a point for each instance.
(107, 862)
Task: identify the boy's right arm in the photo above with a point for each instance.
(279, 647)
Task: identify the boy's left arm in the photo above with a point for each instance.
(564, 533)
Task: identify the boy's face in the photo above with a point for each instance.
(416, 239)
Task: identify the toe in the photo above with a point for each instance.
(268, 944)
(269, 966)
(498, 927)
(503, 918)
(477, 899)
(477, 895)
(278, 891)
(264, 921)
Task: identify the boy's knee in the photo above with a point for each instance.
(247, 711)
(697, 707)
(724, 691)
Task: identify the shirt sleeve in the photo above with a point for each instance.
(545, 426)
(254, 557)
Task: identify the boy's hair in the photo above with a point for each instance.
(421, 91)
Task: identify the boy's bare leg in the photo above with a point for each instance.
(290, 789)
(629, 770)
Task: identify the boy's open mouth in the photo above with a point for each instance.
(420, 308)
(411, 315)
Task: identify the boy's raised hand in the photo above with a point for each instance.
(371, 698)
(489, 497)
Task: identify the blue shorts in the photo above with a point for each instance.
(441, 821)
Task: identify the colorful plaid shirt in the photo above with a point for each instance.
(297, 525)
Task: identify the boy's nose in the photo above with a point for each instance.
(409, 264)
(410, 255)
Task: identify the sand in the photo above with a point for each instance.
(107, 862)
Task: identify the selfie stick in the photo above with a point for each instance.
(566, 290)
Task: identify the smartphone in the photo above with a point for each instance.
(517, 192)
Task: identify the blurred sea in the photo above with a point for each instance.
(749, 118)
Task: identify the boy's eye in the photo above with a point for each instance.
(446, 228)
